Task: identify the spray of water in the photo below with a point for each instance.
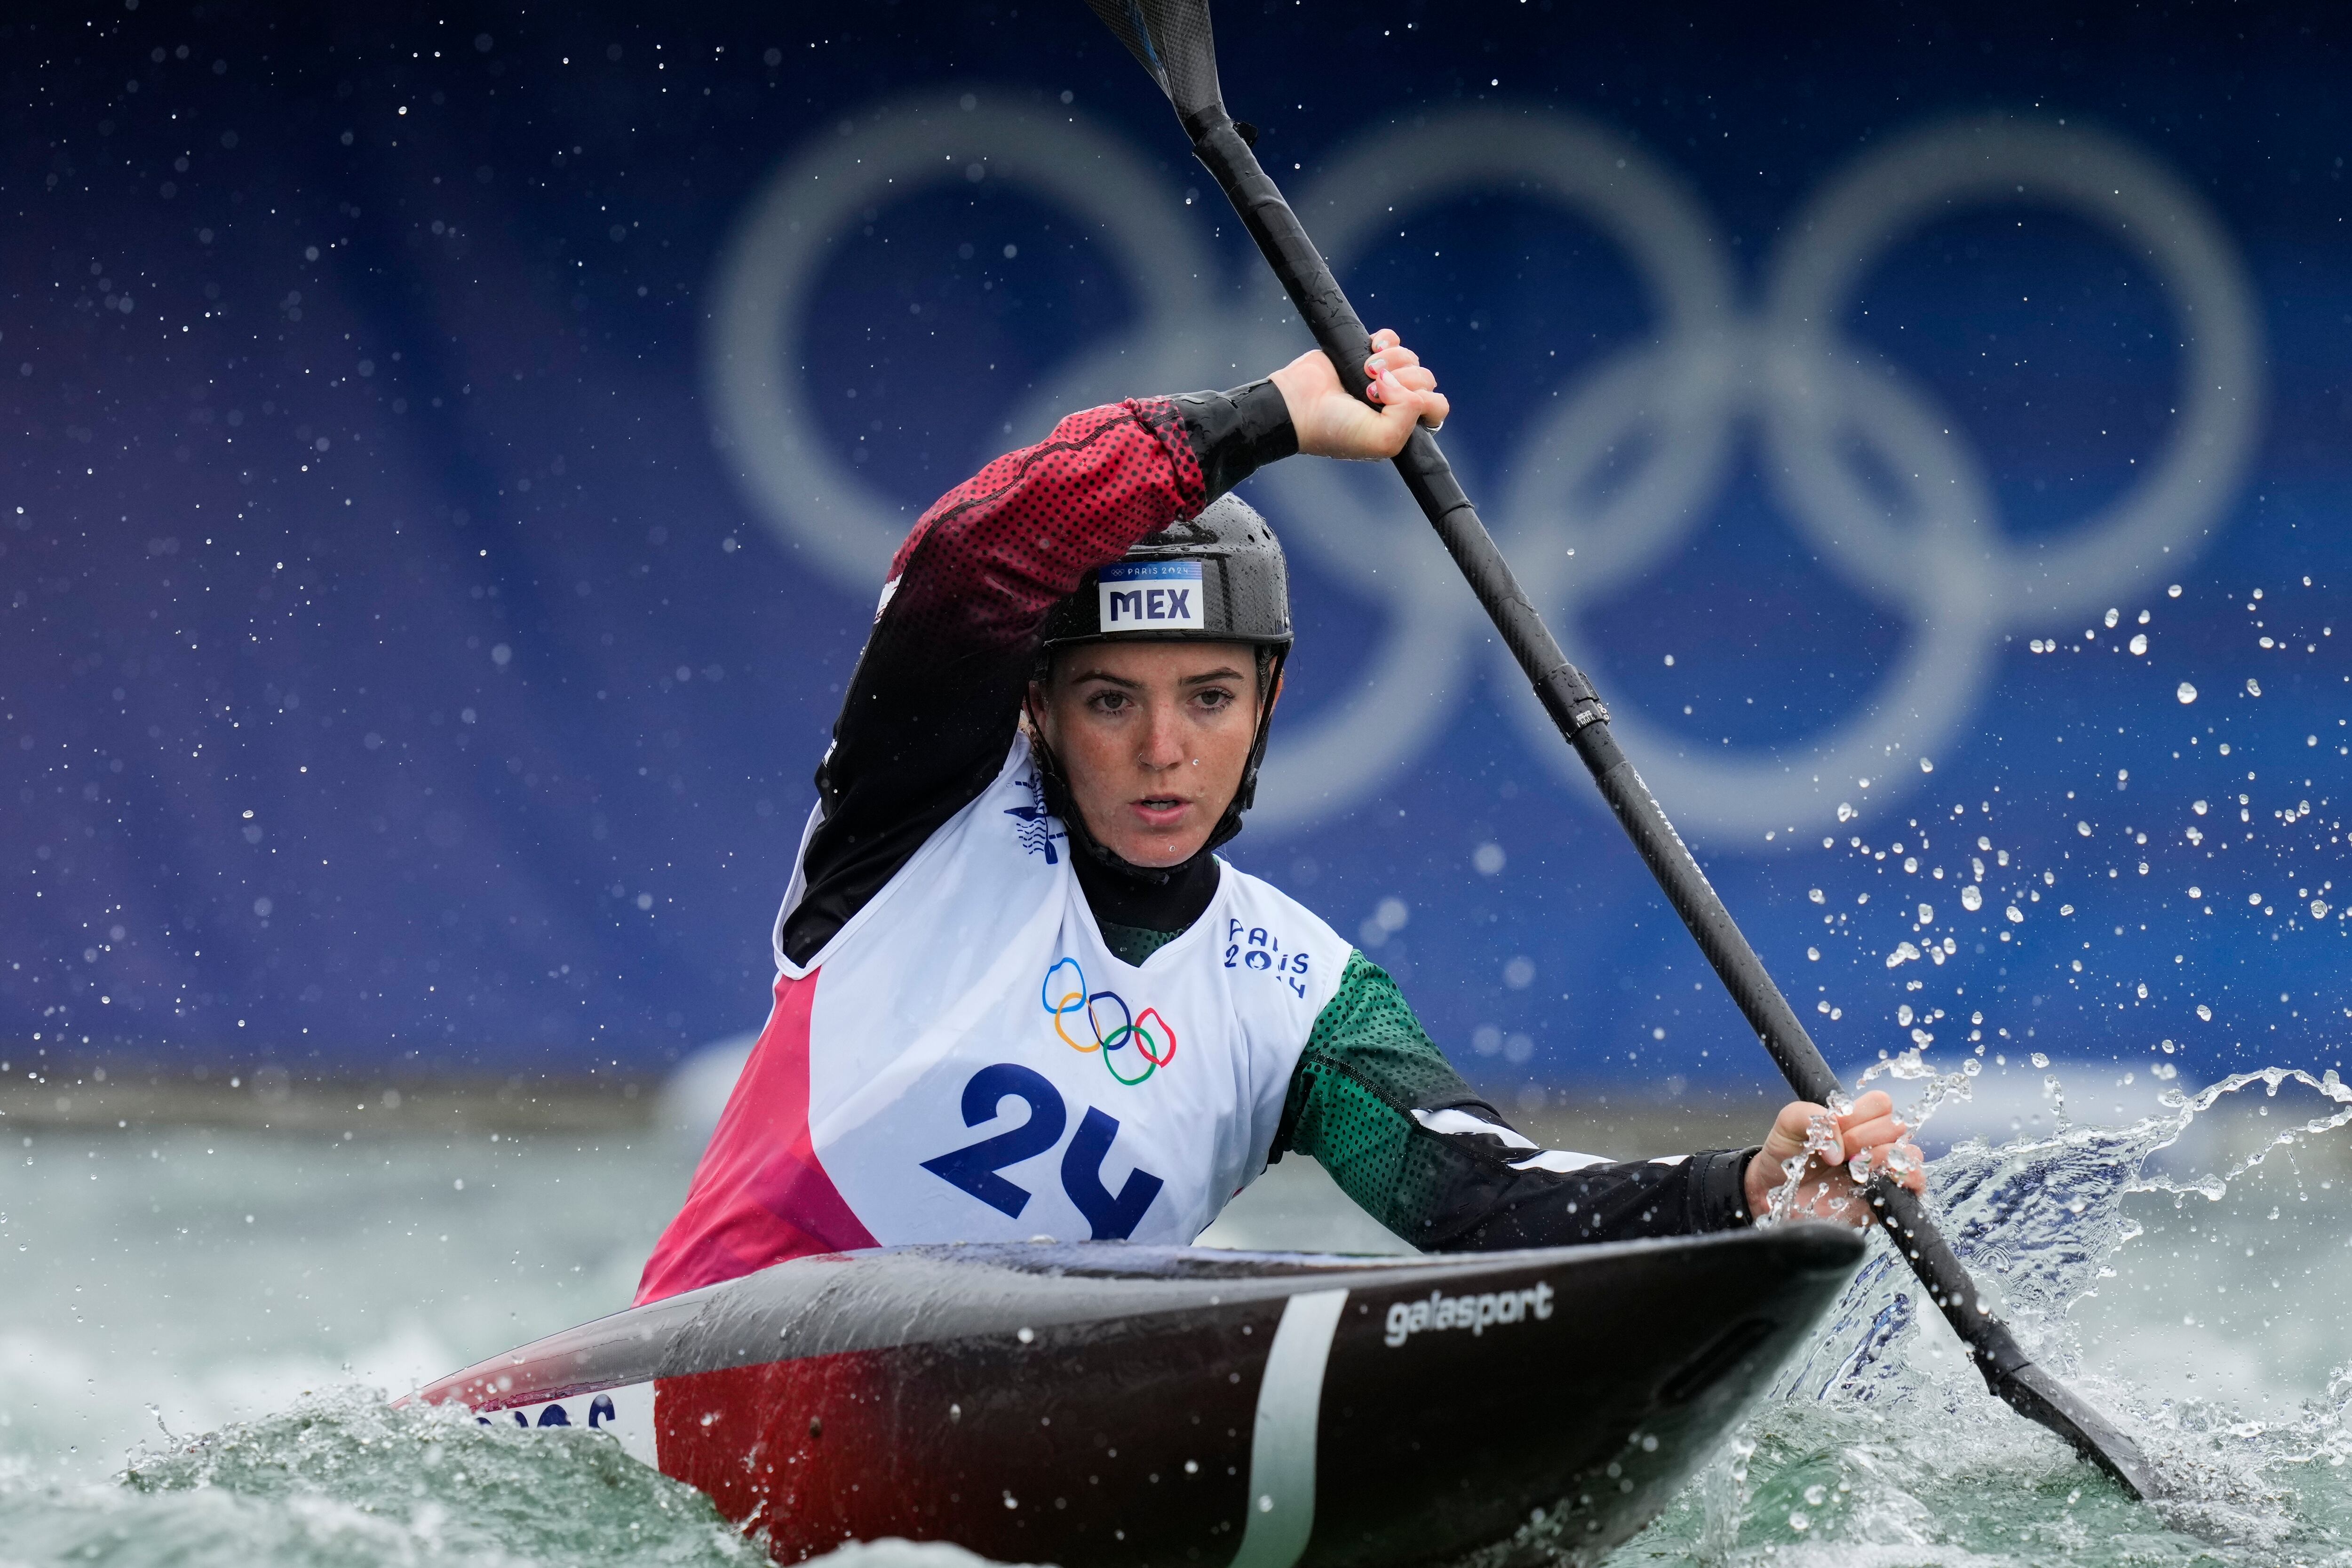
(1881, 1439)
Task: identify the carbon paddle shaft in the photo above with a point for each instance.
(1573, 705)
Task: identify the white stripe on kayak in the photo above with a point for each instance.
(1282, 1444)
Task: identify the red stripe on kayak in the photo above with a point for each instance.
(760, 1194)
(1119, 1442)
(796, 1451)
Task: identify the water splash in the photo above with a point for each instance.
(345, 1477)
(1883, 1440)
(2210, 1187)
(1908, 1066)
(2038, 1220)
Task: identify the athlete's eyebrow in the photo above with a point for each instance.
(1227, 673)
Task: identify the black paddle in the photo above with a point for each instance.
(1172, 40)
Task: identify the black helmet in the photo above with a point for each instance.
(1217, 577)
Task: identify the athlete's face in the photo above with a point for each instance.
(1153, 738)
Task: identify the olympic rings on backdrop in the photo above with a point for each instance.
(1623, 475)
(753, 372)
(1129, 1027)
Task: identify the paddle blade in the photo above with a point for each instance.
(2036, 1395)
(1170, 38)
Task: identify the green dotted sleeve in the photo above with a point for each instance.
(1376, 1103)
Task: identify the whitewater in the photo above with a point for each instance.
(200, 1331)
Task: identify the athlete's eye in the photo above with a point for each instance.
(1111, 701)
(1214, 699)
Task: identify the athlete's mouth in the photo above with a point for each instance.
(1160, 808)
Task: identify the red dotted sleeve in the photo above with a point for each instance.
(988, 559)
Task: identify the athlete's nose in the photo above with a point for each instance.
(1163, 744)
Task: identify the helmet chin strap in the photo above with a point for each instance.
(1062, 804)
(1270, 685)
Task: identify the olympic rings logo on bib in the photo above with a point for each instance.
(1145, 1032)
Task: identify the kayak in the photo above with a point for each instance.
(1103, 1404)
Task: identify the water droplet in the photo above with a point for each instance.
(2254, 686)
(1817, 1494)
(2185, 692)
(2140, 642)
(1971, 898)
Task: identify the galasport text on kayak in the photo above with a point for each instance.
(1476, 1313)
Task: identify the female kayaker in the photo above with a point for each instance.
(1019, 995)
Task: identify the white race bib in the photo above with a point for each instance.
(982, 1067)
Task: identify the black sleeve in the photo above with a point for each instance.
(1237, 433)
(931, 706)
(1613, 1201)
(1377, 1104)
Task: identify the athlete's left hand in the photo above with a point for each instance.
(1828, 1190)
(1332, 423)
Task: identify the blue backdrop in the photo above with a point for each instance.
(450, 462)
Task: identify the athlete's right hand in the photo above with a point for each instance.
(1829, 1191)
(1332, 423)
